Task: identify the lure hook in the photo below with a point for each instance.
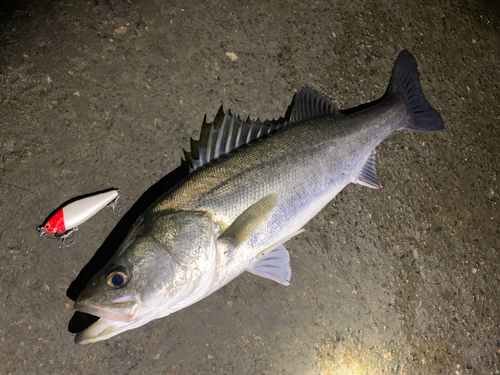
(69, 234)
(114, 203)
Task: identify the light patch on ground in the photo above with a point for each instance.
(338, 355)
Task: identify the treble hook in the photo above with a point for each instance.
(69, 234)
(114, 203)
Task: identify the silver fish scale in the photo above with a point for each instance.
(306, 164)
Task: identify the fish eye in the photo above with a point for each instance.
(118, 278)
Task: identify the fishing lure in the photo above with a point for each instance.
(64, 223)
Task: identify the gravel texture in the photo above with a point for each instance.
(401, 280)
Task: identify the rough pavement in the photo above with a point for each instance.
(401, 280)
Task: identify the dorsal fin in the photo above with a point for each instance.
(228, 132)
(309, 103)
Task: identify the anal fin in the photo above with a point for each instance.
(274, 266)
(368, 175)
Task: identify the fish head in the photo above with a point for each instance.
(166, 263)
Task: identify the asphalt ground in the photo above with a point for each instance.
(101, 94)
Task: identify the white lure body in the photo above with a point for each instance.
(79, 211)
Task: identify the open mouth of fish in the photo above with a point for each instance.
(100, 321)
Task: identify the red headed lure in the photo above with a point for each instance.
(65, 221)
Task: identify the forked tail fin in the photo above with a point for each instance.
(405, 81)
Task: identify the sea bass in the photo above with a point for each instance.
(253, 186)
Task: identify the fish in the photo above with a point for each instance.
(252, 187)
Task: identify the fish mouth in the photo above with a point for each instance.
(101, 330)
(120, 310)
(114, 317)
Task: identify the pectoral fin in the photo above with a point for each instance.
(250, 221)
(274, 266)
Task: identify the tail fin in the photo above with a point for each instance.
(405, 81)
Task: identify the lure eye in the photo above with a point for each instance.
(118, 278)
(47, 226)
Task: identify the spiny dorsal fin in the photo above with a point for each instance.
(228, 132)
(309, 103)
(368, 175)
